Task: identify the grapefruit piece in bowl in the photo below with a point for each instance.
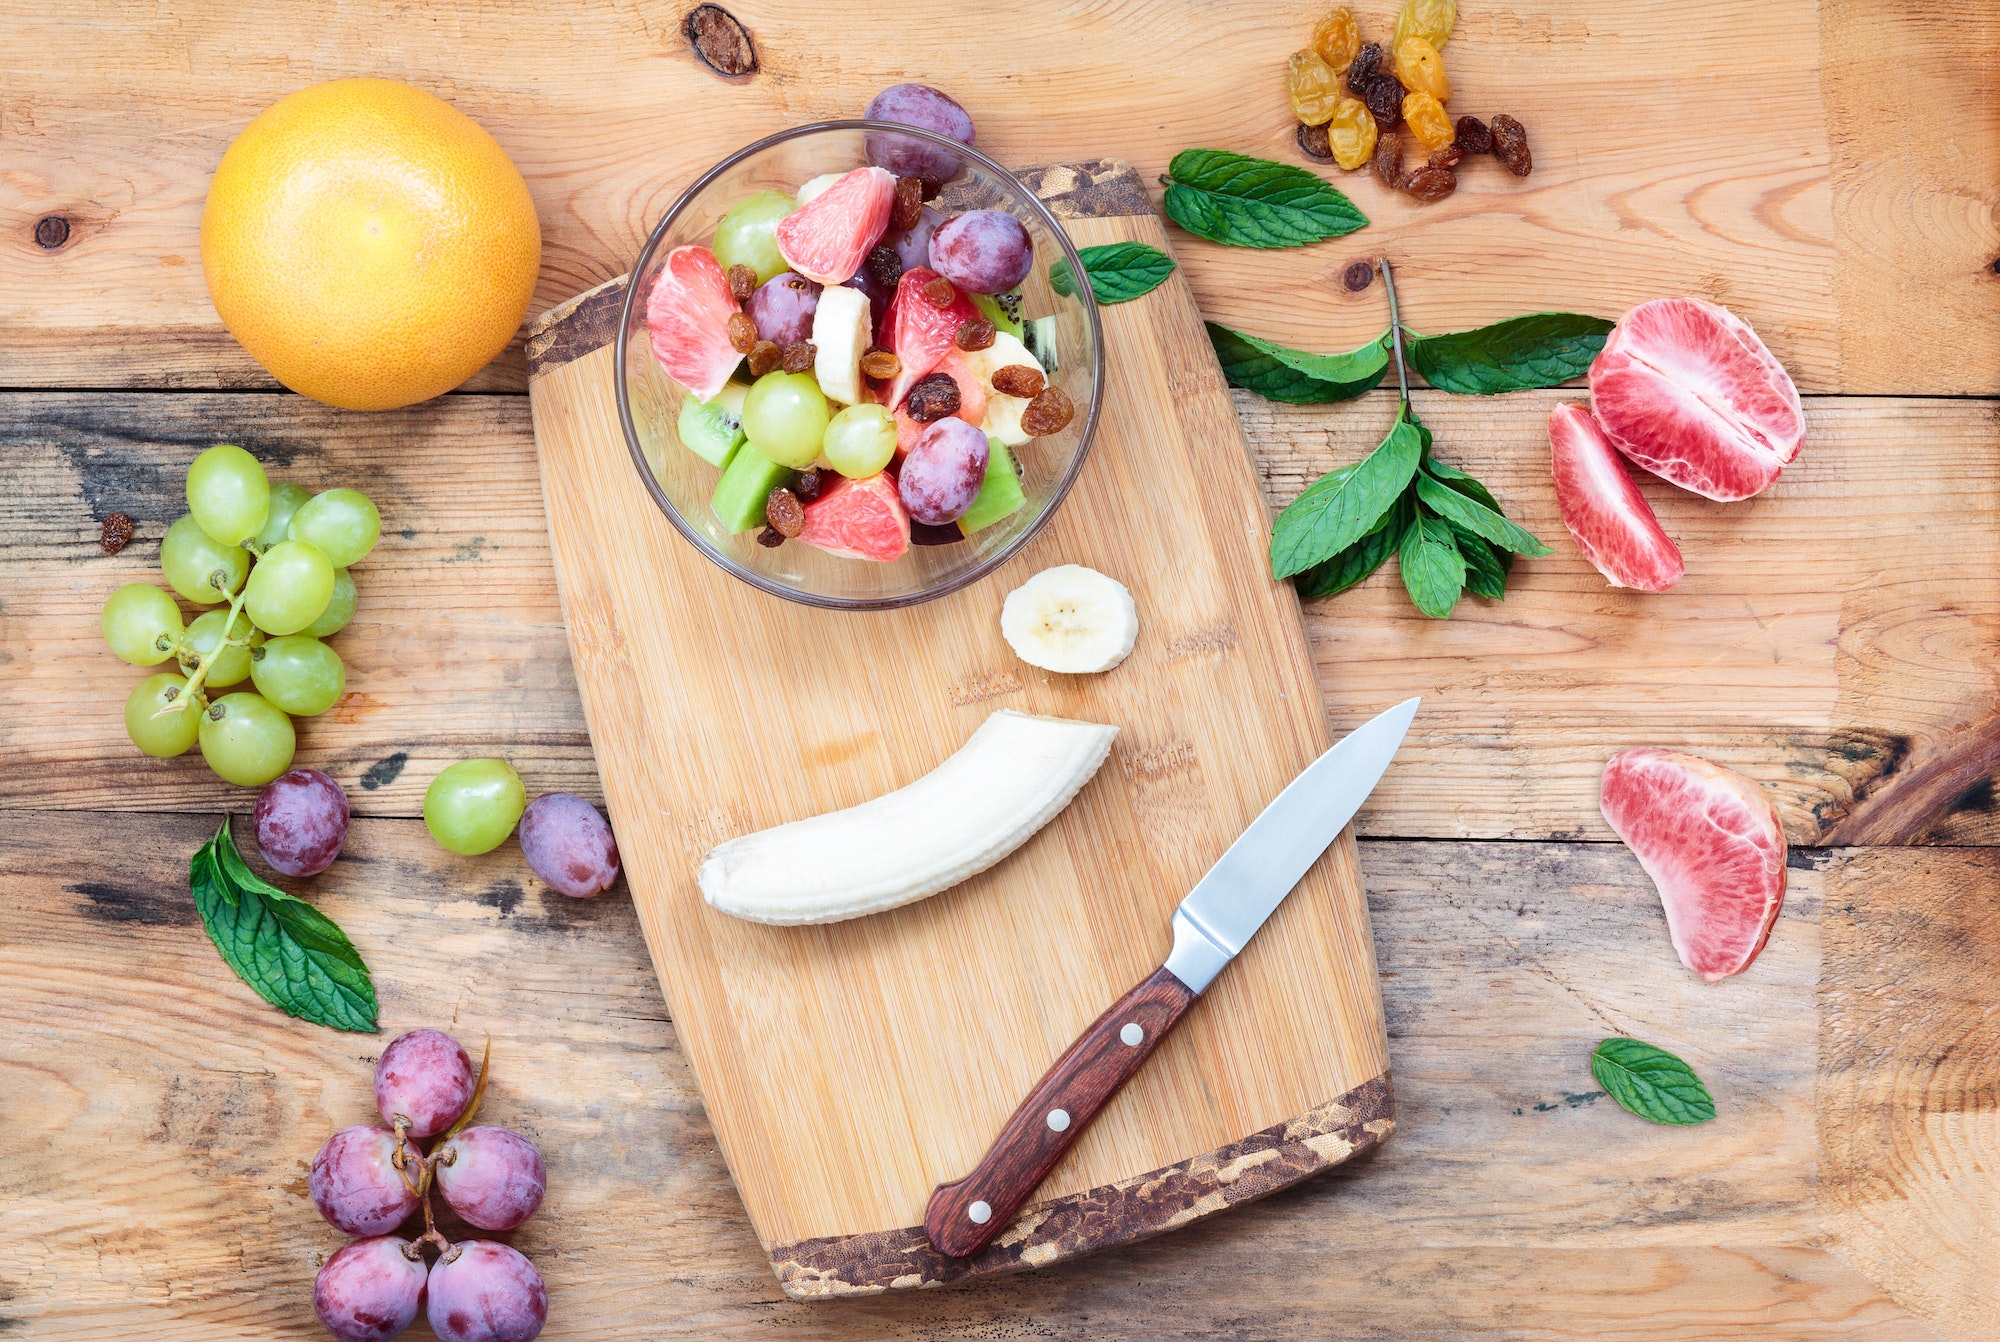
(1711, 841)
(1688, 391)
(1613, 524)
(825, 238)
(687, 320)
(920, 333)
(858, 519)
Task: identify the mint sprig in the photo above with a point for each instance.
(294, 957)
(1542, 349)
(1118, 272)
(1253, 202)
(1278, 373)
(1650, 1082)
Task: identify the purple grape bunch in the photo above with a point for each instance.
(370, 1179)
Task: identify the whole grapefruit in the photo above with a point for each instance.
(369, 244)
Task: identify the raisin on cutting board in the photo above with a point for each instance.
(1313, 142)
(1473, 136)
(1388, 161)
(1367, 62)
(116, 533)
(1384, 96)
(1431, 182)
(1510, 145)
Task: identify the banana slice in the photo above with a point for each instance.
(1003, 412)
(817, 185)
(1010, 778)
(840, 333)
(1071, 619)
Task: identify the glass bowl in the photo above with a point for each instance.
(649, 402)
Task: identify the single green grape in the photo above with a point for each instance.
(289, 588)
(169, 734)
(341, 522)
(860, 440)
(228, 494)
(339, 607)
(246, 740)
(786, 416)
(286, 500)
(204, 639)
(142, 624)
(192, 563)
(473, 806)
(299, 674)
(748, 234)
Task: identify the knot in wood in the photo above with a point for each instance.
(51, 231)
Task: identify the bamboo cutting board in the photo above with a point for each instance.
(849, 1069)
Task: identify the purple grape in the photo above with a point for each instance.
(783, 307)
(356, 1185)
(492, 1177)
(568, 844)
(426, 1078)
(371, 1289)
(912, 246)
(983, 251)
(485, 1292)
(301, 820)
(944, 471)
(878, 294)
(924, 107)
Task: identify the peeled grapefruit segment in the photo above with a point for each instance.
(687, 315)
(920, 333)
(1710, 839)
(858, 519)
(1689, 392)
(1613, 524)
(825, 238)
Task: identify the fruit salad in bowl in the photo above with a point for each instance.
(844, 374)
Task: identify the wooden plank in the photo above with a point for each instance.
(162, 1117)
(1830, 639)
(1665, 162)
(851, 1069)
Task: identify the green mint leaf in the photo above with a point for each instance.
(294, 956)
(1460, 481)
(1542, 349)
(1477, 518)
(1433, 569)
(1280, 374)
(1651, 1082)
(1253, 202)
(1358, 560)
(1119, 272)
(1342, 506)
(1485, 570)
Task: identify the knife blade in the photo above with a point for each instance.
(1210, 927)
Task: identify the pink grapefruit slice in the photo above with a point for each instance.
(825, 238)
(859, 519)
(687, 318)
(1711, 841)
(921, 333)
(1613, 524)
(1688, 391)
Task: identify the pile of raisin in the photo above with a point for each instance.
(1353, 99)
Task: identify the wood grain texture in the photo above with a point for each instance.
(965, 1001)
(1834, 637)
(161, 1117)
(1813, 205)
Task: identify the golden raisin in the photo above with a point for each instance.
(764, 356)
(939, 293)
(1429, 122)
(1351, 134)
(742, 282)
(1050, 412)
(1431, 20)
(1018, 379)
(742, 332)
(1337, 38)
(1421, 69)
(880, 364)
(785, 513)
(977, 333)
(798, 356)
(909, 205)
(1314, 86)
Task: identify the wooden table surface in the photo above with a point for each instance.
(1831, 173)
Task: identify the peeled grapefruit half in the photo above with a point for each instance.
(1689, 392)
(1711, 841)
(1613, 524)
(825, 238)
(687, 316)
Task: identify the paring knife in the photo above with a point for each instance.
(1211, 925)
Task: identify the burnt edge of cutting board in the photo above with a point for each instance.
(1112, 1214)
(1105, 188)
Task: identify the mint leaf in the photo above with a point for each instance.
(1278, 373)
(1358, 560)
(294, 956)
(1342, 506)
(1477, 518)
(1485, 570)
(1460, 481)
(1542, 349)
(1119, 272)
(1253, 202)
(1433, 569)
(1650, 1082)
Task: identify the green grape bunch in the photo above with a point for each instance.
(271, 561)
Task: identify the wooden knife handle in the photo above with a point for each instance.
(963, 1217)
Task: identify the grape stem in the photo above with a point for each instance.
(202, 661)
